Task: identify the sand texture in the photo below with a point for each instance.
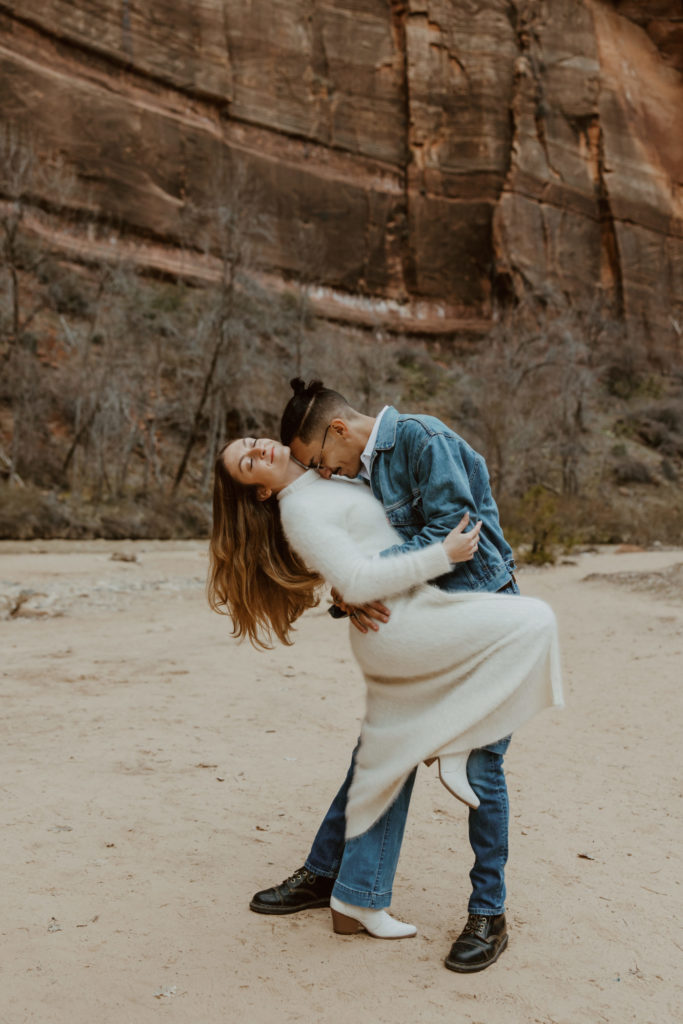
(155, 773)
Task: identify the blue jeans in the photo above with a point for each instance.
(364, 867)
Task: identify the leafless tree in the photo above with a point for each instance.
(236, 228)
(23, 177)
(529, 395)
(311, 257)
(112, 386)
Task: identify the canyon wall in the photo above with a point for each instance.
(415, 163)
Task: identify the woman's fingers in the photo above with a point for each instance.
(462, 524)
(460, 546)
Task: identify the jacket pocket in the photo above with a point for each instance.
(407, 514)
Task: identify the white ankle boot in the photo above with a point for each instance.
(453, 774)
(347, 920)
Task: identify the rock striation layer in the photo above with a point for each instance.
(417, 161)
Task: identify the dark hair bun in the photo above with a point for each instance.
(308, 391)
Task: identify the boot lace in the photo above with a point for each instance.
(476, 924)
(299, 876)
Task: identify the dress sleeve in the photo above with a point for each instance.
(327, 547)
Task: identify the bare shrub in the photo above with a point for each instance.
(537, 522)
(632, 471)
(28, 512)
(32, 453)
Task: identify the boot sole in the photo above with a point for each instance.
(342, 924)
(259, 908)
(463, 969)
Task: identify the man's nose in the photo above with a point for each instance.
(324, 472)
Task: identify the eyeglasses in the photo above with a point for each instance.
(319, 464)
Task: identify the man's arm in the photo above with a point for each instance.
(444, 490)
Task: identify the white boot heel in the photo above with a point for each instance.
(453, 774)
(347, 920)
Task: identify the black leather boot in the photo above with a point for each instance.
(479, 945)
(301, 891)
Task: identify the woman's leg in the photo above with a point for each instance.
(368, 866)
(453, 775)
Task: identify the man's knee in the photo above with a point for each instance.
(500, 746)
(485, 769)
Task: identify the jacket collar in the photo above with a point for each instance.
(386, 435)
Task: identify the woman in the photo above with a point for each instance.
(447, 673)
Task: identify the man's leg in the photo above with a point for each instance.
(328, 846)
(311, 885)
(488, 829)
(485, 936)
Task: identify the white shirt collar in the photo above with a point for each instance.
(370, 447)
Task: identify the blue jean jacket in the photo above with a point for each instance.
(427, 477)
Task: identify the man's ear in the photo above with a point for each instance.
(340, 427)
(263, 493)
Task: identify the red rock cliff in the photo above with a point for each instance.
(423, 157)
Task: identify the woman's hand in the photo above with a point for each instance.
(461, 546)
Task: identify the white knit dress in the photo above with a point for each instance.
(448, 671)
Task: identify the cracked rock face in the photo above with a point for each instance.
(422, 156)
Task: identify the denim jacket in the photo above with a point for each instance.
(427, 477)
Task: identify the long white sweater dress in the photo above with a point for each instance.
(448, 671)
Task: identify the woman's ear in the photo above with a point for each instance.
(263, 493)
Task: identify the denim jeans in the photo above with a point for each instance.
(488, 829)
(364, 868)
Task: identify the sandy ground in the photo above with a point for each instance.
(155, 774)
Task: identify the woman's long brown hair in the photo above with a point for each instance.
(254, 576)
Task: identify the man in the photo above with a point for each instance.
(427, 477)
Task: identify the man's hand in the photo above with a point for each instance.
(363, 616)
